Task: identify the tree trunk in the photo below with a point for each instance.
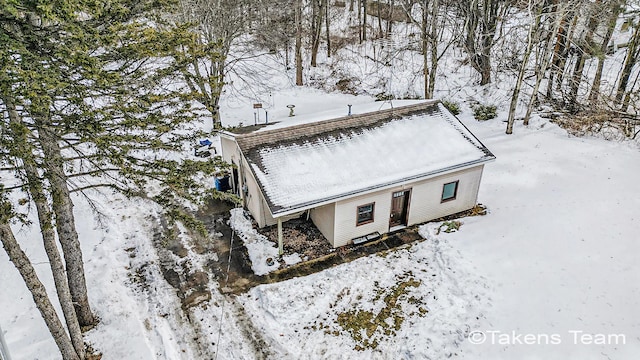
(560, 50)
(65, 225)
(425, 45)
(627, 96)
(562, 68)
(360, 26)
(542, 65)
(483, 20)
(364, 20)
(611, 24)
(317, 18)
(55, 260)
(46, 228)
(433, 39)
(629, 62)
(379, 12)
(489, 25)
(298, 20)
(533, 30)
(575, 83)
(587, 47)
(58, 270)
(216, 82)
(390, 18)
(326, 16)
(38, 291)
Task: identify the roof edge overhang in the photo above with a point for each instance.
(227, 134)
(310, 205)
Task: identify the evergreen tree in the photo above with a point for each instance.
(88, 99)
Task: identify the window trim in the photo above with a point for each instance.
(455, 191)
(373, 211)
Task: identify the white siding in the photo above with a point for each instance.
(347, 212)
(253, 199)
(229, 149)
(425, 204)
(426, 196)
(324, 218)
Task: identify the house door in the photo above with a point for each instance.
(399, 208)
(234, 175)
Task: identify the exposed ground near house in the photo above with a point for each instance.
(302, 237)
(233, 265)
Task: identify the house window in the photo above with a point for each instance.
(365, 214)
(449, 191)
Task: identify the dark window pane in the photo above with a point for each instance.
(365, 214)
(449, 191)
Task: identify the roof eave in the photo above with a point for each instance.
(227, 134)
(310, 205)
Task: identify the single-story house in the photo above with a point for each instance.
(360, 175)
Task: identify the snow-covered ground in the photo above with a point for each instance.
(552, 267)
(551, 273)
(555, 260)
(560, 244)
(425, 298)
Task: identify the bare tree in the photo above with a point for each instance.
(219, 24)
(481, 21)
(583, 47)
(274, 26)
(535, 13)
(363, 28)
(433, 45)
(327, 27)
(298, 51)
(631, 58)
(561, 50)
(318, 12)
(544, 52)
(613, 11)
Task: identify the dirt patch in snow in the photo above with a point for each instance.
(302, 237)
(233, 264)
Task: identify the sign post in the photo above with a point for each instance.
(256, 114)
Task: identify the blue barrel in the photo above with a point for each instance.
(222, 183)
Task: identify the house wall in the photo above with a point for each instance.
(252, 199)
(425, 204)
(346, 216)
(229, 149)
(426, 196)
(324, 218)
(337, 221)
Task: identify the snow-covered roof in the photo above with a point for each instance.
(302, 166)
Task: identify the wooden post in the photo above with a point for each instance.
(280, 245)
